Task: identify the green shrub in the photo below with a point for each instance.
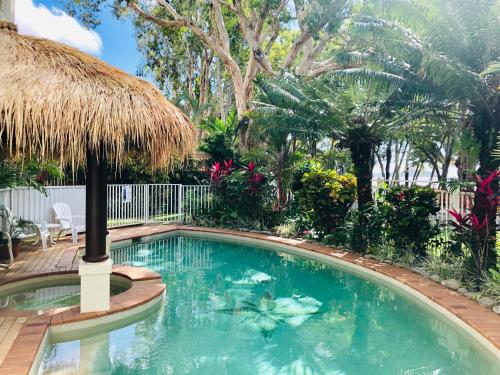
(370, 228)
(491, 285)
(290, 229)
(242, 197)
(326, 198)
(446, 268)
(406, 213)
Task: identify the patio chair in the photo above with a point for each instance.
(66, 220)
(40, 233)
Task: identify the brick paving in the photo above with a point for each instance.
(21, 332)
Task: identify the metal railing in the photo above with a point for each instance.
(127, 204)
(153, 203)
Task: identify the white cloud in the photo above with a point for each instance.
(55, 24)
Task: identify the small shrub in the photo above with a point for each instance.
(372, 231)
(241, 196)
(388, 252)
(476, 230)
(289, 229)
(449, 268)
(326, 198)
(406, 212)
(491, 285)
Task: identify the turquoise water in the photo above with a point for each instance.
(234, 309)
(46, 296)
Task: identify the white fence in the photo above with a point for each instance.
(127, 204)
(149, 203)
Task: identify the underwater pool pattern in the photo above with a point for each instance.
(235, 309)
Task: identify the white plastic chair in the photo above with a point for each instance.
(66, 222)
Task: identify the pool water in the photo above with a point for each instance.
(236, 309)
(46, 296)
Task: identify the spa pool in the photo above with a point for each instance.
(241, 309)
(50, 292)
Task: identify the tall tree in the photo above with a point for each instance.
(446, 50)
(226, 26)
(358, 116)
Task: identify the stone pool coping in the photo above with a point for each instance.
(24, 350)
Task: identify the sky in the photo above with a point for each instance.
(113, 41)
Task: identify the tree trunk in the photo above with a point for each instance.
(447, 158)
(220, 91)
(388, 158)
(363, 157)
(280, 167)
(407, 166)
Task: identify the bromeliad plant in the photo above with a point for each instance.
(475, 230)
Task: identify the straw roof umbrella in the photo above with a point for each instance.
(57, 102)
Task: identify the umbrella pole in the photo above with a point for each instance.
(95, 266)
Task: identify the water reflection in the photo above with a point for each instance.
(41, 297)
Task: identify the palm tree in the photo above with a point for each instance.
(288, 110)
(444, 50)
(358, 116)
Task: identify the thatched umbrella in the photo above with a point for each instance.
(57, 102)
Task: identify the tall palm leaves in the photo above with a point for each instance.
(288, 107)
(437, 49)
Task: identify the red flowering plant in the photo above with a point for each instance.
(218, 172)
(475, 230)
(255, 179)
(240, 194)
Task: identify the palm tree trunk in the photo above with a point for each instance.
(363, 157)
(388, 158)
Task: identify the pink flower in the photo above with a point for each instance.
(460, 217)
(251, 167)
(400, 196)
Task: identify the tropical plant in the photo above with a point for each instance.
(289, 108)
(241, 196)
(18, 226)
(444, 51)
(357, 116)
(326, 198)
(473, 231)
(407, 216)
(220, 140)
(30, 173)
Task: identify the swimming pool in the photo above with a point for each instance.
(239, 309)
